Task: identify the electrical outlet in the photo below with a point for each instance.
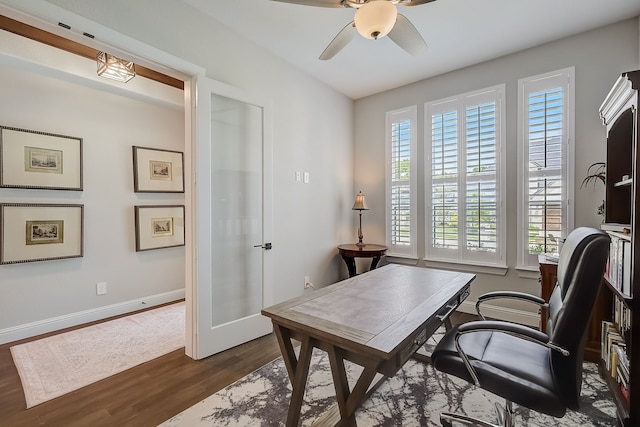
(307, 283)
(101, 288)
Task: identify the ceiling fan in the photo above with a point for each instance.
(374, 19)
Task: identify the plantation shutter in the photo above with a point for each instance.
(400, 182)
(444, 180)
(481, 195)
(545, 138)
(545, 165)
(465, 213)
(401, 196)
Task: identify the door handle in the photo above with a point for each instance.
(266, 246)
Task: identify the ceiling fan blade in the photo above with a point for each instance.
(339, 42)
(405, 35)
(318, 3)
(414, 2)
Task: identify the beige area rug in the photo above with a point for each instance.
(56, 365)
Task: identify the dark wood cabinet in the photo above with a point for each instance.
(548, 279)
(601, 310)
(619, 113)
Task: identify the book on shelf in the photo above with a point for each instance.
(614, 354)
(618, 270)
(622, 366)
(625, 392)
(621, 315)
(626, 268)
(606, 325)
(613, 339)
(614, 362)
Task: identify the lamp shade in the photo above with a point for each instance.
(376, 18)
(115, 68)
(360, 203)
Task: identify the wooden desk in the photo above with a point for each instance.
(376, 320)
(350, 252)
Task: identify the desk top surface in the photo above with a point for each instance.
(377, 310)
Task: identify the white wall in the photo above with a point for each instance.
(109, 124)
(599, 57)
(312, 132)
(313, 127)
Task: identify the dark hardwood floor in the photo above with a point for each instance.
(142, 396)
(145, 395)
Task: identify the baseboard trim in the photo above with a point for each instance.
(28, 330)
(502, 313)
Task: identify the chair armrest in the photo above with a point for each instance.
(508, 295)
(514, 329)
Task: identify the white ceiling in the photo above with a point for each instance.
(459, 33)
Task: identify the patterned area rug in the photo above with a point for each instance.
(414, 397)
(59, 364)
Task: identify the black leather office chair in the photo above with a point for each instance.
(523, 365)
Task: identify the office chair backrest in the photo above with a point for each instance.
(580, 270)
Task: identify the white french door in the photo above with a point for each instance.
(232, 231)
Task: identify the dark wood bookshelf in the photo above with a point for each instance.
(627, 299)
(619, 113)
(622, 405)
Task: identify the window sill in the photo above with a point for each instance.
(528, 272)
(401, 259)
(497, 270)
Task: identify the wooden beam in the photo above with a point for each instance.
(36, 34)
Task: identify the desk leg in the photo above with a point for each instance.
(374, 263)
(350, 401)
(298, 369)
(286, 348)
(351, 265)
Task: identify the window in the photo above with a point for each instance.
(545, 143)
(464, 163)
(401, 182)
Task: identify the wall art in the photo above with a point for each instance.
(39, 160)
(40, 232)
(159, 227)
(157, 171)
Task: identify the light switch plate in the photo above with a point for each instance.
(101, 288)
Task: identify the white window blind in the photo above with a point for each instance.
(401, 182)
(444, 185)
(546, 159)
(465, 213)
(482, 195)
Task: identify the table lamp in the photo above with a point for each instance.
(360, 205)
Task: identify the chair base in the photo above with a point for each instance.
(504, 418)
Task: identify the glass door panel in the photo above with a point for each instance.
(236, 209)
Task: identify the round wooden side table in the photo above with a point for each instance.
(351, 251)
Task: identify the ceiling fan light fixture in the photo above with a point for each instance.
(376, 18)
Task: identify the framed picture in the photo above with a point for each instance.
(40, 232)
(39, 160)
(159, 227)
(157, 171)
